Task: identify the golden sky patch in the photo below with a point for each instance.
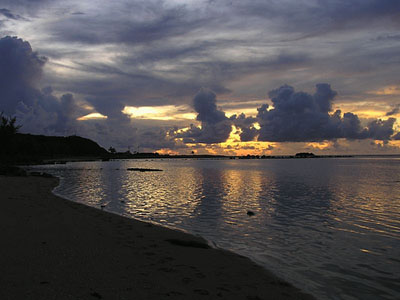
(387, 90)
(92, 116)
(320, 145)
(166, 112)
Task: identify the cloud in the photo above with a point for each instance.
(394, 111)
(170, 43)
(113, 84)
(205, 105)
(302, 117)
(21, 69)
(396, 137)
(39, 111)
(158, 138)
(248, 132)
(294, 117)
(137, 22)
(215, 126)
(23, 3)
(9, 15)
(380, 130)
(321, 17)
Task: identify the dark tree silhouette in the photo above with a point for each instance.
(8, 125)
(112, 150)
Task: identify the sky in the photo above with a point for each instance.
(213, 77)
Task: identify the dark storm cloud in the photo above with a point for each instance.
(38, 110)
(246, 125)
(21, 69)
(157, 138)
(207, 134)
(396, 137)
(380, 130)
(215, 126)
(205, 104)
(302, 117)
(394, 111)
(294, 117)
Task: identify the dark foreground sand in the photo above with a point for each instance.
(52, 248)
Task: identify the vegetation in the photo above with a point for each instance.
(112, 150)
(28, 148)
(8, 126)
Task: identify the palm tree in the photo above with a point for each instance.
(8, 126)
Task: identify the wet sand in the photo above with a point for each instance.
(53, 248)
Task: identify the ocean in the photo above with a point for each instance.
(330, 226)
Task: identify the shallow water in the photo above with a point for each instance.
(329, 226)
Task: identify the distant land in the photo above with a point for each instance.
(29, 148)
(21, 148)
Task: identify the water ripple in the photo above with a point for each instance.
(330, 226)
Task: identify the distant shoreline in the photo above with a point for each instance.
(29, 149)
(64, 160)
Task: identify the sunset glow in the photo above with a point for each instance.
(168, 112)
(92, 116)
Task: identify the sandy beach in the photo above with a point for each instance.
(52, 248)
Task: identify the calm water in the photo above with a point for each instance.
(329, 226)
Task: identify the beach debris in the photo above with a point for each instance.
(144, 170)
(250, 213)
(188, 243)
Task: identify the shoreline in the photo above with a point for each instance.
(59, 249)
